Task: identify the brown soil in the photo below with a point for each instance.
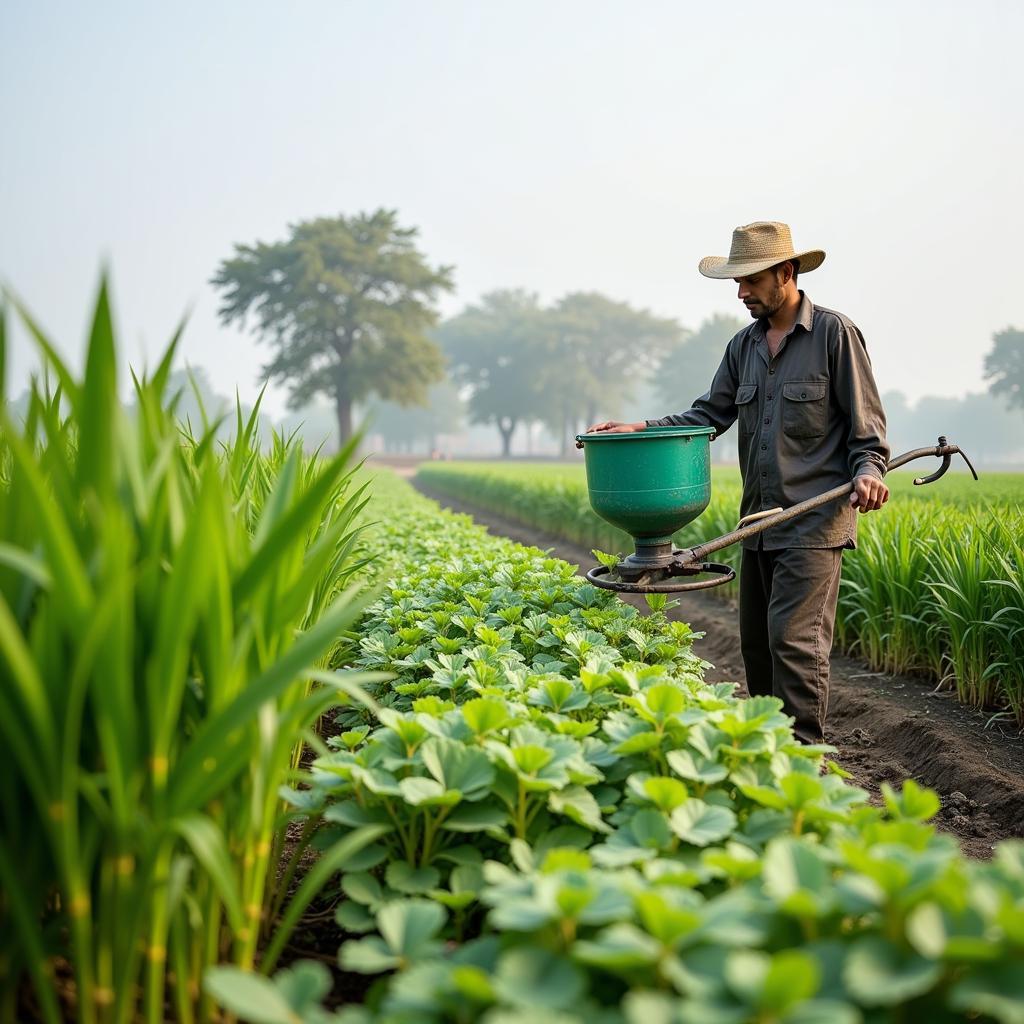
(886, 728)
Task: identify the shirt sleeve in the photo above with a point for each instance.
(716, 408)
(853, 384)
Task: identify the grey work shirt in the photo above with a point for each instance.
(809, 419)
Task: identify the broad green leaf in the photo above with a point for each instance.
(822, 1011)
(475, 818)
(996, 990)
(304, 985)
(797, 876)
(880, 973)
(665, 919)
(362, 887)
(792, 977)
(650, 829)
(486, 715)
(688, 765)
(409, 926)
(667, 794)
(421, 792)
(914, 803)
(664, 699)
(403, 877)
(578, 803)
(458, 767)
(620, 947)
(701, 824)
(367, 956)
(521, 916)
(354, 917)
(535, 979)
(251, 997)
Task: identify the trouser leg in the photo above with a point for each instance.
(755, 595)
(800, 625)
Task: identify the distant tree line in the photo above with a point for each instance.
(348, 308)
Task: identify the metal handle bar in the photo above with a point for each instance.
(942, 450)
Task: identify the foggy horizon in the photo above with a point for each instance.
(556, 149)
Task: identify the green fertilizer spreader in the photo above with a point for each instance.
(651, 483)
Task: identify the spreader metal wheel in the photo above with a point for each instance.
(661, 584)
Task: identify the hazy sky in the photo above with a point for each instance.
(556, 145)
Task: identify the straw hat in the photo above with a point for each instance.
(756, 247)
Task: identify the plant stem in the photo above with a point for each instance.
(156, 951)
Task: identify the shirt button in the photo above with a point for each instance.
(764, 475)
(771, 370)
(766, 422)
(764, 447)
(803, 394)
(769, 396)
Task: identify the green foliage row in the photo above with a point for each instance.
(574, 827)
(933, 587)
(164, 604)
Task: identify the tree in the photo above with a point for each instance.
(689, 368)
(344, 303)
(1004, 366)
(598, 350)
(495, 350)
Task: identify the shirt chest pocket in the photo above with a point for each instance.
(805, 408)
(746, 408)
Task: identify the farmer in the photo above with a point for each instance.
(799, 381)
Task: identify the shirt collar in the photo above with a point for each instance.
(805, 315)
(804, 318)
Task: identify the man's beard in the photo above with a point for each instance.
(772, 304)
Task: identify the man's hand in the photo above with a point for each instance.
(868, 494)
(614, 427)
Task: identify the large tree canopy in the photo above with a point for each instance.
(1004, 366)
(345, 304)
(495, 352)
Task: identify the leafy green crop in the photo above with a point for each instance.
(576, 827)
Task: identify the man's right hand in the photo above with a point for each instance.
(614, 427)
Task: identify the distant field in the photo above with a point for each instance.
(957, 487)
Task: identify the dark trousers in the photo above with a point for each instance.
(787, 618)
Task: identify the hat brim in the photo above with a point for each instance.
(721, 269)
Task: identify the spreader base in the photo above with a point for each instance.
(665, 579)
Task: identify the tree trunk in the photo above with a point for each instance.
(343, 409)
(506, 425)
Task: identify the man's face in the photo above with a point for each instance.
(764, 293)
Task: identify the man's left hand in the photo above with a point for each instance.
(868, 494)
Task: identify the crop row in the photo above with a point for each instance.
(931, 588)
(572, 825)
(164, 607)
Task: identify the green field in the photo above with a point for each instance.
(957, 487)
(262, 710)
